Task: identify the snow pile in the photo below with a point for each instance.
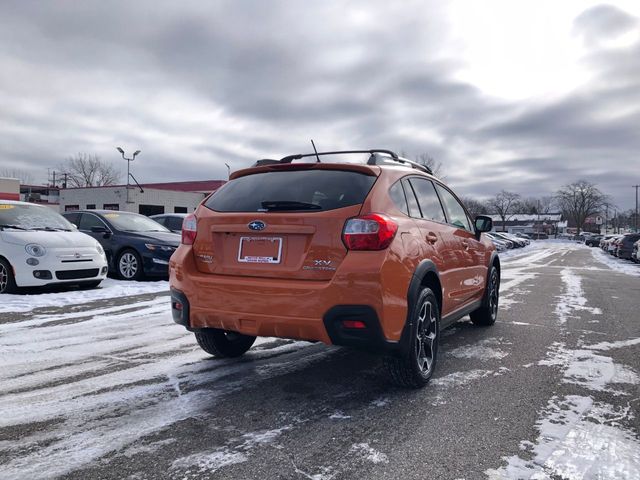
(617, 264)
(109, 288)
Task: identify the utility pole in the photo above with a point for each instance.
(636, 217)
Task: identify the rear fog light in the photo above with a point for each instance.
(354, 324)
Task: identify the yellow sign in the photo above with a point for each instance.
(6, 207)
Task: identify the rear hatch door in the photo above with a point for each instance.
(281, 222)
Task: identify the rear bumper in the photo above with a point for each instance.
(299, 309)
(370, 338)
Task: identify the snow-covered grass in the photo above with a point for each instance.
(109, 288)
(617, 264)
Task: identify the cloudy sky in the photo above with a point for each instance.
(520, 95)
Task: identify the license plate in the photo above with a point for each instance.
(260, 249)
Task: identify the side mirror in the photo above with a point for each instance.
(483, 224)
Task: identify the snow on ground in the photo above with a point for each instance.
(100, 381)
(482, 350)
(578, 439)
(573, 299)
(109, 288)
(614, 263)
(368, 453)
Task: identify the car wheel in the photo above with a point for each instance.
(129, 265)
(487, 314)
(7, 280)
(415, 368)
(222, 344)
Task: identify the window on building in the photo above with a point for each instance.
(149, 210)
(71, 208)
(180, 210)
(111, 206)
(91, 206)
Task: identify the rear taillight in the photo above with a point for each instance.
(369, 232)
(189, 229)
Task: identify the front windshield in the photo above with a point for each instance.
(18, 216)
(132, 222)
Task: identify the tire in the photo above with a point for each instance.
(223, 344)
(129, 265)
(7, 279)
(415, 368)
(487, 314)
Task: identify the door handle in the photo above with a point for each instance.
(432, 238)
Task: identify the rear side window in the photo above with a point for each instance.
(428, 200)
(87, 221)
(397, 195)
(455, 211)
(298, 190)
(414, 209)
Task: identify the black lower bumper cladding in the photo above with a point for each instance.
(370, 338)
(180, 308)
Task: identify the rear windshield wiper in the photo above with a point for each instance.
(288, 205)
(12, 226)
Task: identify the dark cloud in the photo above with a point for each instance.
(199, 84)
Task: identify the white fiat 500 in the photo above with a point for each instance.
(40, 247)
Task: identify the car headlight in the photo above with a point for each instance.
(35, 250)
(159, 248)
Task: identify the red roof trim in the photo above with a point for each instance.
(194, 186)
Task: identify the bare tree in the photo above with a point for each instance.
(428, 161)
(504, 204)
(580, 200)
(25, 177)
(475, 207)
(545, 204)
(85, 170)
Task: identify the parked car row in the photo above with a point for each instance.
(506, 241)
(624, 246)
(39, 247)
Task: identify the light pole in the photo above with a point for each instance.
(228, 170)
(129, 160)
(636, 218)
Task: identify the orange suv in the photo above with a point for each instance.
(362, 249)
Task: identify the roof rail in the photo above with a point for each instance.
(374, 159)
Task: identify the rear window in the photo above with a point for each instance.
(298, 190)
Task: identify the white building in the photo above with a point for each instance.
(148, 199)
(9, 189)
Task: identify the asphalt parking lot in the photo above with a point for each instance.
(104, 385)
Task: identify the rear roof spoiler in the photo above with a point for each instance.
(378, 156)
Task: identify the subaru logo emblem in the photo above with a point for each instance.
(257, 225)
